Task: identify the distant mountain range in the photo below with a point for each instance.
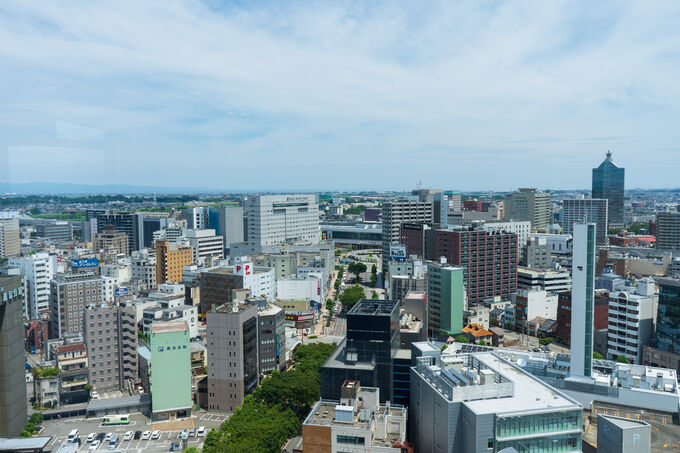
(66, 188)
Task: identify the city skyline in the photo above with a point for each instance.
(263, 96)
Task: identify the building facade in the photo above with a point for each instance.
(668, 230)
(608, 184)
(170, 261)
(69, 295)
(205, 244)
(231, 224)
(10, 244)
(171, 396)
(632, 314)
(38, 269)
(277, 219)
(446, 299)
(111, 241)
(396, 212)
(590, 210)
(55, 231)
(582, 299)
(528, 205)
(129, 223)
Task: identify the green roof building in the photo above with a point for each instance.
(170, 370)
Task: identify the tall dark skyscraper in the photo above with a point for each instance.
(608, 183)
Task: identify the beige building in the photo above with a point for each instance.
(528, 204)
(9, 238)
(171, 258)
(112, 242)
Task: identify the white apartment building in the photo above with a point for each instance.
(121, 272)
(560, 244)
(549, 280)
(38, 269)
(534, 303)
(109, 285)
(143, 270)
(205, 245)
(300, 288)
(521, 229)
(276, 219)
(10, 243)
(632, 316)
(196, 218)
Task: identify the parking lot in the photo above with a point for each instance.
(59, 430)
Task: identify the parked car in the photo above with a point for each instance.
(138, 435)
(94, 445)
(91, 437)
(94, 395)
(192, 432)
(181, 434)
(155, 435)
(174, 446)
(108, 437)
(100, 437)
(201, 431)
(128, 435)
(146, 435)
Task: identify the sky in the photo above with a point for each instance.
(342, 95)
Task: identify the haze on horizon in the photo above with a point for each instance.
(248, 96)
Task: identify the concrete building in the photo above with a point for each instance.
(170, 371)
(532, 303)
(537, 254)
(368, 352)
(129, 223)
(582, 299)
(13, 407)
(170, 261)
(528, 204)
(480, 402)
(232, 355)
(143, 271)
(9, 238)
(608, 184)
(197, 218)
(55, 231)
(166, 312)
(271, 337)
(591, 210)
(230, 221)
(623, 435)
(360, 235)
(521, 229)
(396, 212)
(112, 242)
(668, 323)
(73, 373)
(206, 245)
(111, 340)
(632, 319)
(560, 244)
(311, 288)
(554, 281)
(69, 295)
(218, 283)
(400, 285)
(600, 317)
(446, 299)
(668, 230)
(357, 422)
(277, 219)
(38, 269)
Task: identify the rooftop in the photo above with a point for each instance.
(373, 307)
(624, 423)
(169, 326)
(24, 443)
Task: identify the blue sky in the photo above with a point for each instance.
(339, 95)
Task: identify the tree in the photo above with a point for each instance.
(461, 339)
(597, 355)
(374, 279)
(482, 343)
(374, 269)
(545, 341)
(36, 418)
(329, 304)
(352, 295)
(357, 268)
(336, 285)
(192, 450)
(374, 295)
(622, 359)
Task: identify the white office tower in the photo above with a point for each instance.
(582, 296)
(196, 218)
(38, 269)
(277, 219)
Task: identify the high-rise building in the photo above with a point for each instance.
(489, 259)
(446, 299)
(217, 284)
(582, 299)
(170, 261)
(368, 352)
(55, 231)
(230, 221)
(197, 218)
(110, 335)
(38, 269)
(668, 230)
(13, 407)
(111, 241)
(608, 183)
(170, 370)
(10, 244)
(528, 204)
(668, 319)
(277, 219)
(205, 245)
(588, 210)
(536, 254)
(143, 271)
(129, 223)
(632, 311)
(69, 295)
(480, 402)
(232, 355)
(521, 229)
(399, 211)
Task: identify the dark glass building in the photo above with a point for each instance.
(368, 352)
(608, 183)
(668, 320)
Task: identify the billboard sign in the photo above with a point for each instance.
(84, 263)
(244, 268)
(397, 252)
(121, 291)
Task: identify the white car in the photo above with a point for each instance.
(108, 437)
(146, 435)
(95, 445)
(201, 431)
(91, 437)
(140, 390)
(155, 435)
(94, 395)
(128, 435)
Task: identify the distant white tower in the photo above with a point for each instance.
(582, 297)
